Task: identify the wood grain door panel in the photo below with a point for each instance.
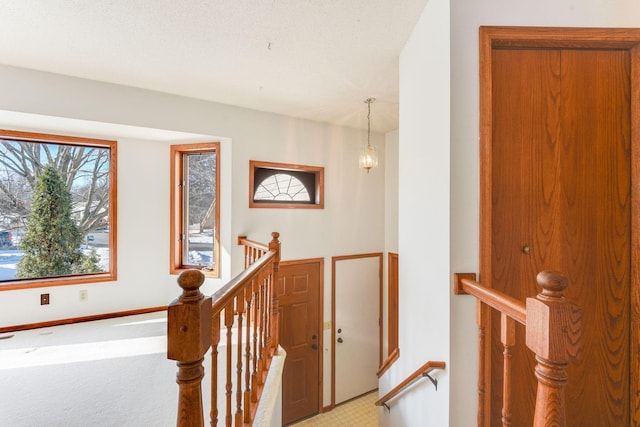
(299, 298)
(525, 137)
(561, 187)
(596, 87)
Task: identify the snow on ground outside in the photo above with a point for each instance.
(9, 258)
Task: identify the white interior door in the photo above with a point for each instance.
(357, 330)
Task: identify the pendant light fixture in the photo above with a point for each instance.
(369, 154)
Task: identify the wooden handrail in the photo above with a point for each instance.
(243, 241)
(552, 332)
(243, 314)
(465, 284)
(223, 296)
(422, 371)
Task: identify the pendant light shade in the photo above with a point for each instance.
(368, 157)
(369, 153)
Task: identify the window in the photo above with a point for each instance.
(278, 185)
(57, 210)
(195, 213)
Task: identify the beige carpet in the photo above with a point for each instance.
(104, 373)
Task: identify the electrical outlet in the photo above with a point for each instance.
(44, 299)
(83, 295)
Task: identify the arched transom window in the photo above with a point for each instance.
(277, 185)
(282, 187)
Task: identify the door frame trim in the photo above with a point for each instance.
(561, 37)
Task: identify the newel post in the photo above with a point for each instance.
(274, 246)
(188, 339)
(553, 334)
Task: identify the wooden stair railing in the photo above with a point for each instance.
(553, 331)
(247, 306)
(421, 372)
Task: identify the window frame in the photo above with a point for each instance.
(76, 279)
(316, 171)
(177, 214)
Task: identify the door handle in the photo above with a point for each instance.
(340, 340)
(314, 346)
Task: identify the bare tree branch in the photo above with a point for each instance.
(83, 169)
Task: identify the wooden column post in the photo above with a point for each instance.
(553, 334)
(274, 245)
(188, 339)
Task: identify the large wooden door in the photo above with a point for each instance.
(300, 336)
(560, 198)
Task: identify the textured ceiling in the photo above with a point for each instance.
(315, 59)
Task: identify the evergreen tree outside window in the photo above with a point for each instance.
(52, 241)
(57, 210)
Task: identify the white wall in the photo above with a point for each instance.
(145, 124)
(466, 17)
(423, 218)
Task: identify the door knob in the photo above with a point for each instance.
(314, 337)
(339, 330)
(526, 249)
(340, 340)
(314, 346)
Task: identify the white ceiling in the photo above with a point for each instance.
(315, 59)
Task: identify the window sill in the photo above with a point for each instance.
(209, 274)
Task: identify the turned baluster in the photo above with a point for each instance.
(256, 341)
(247, 355)
(482, 314)
(268, 319)
(508, 339)
(240, 307)
(262, 334)
(228, 323)
(553, 334)
(274, 246)
(188, 339)
(215, 341)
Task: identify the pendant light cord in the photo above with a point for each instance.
(369, 101)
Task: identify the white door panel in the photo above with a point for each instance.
(357, 299)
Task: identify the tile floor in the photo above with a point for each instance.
(359, 412)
